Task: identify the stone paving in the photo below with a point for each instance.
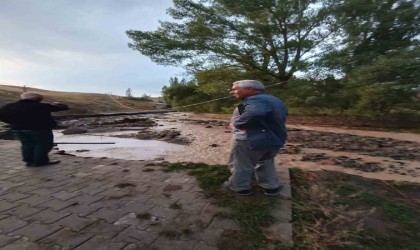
(88, 203)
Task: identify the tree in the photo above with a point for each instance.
(188, 96)
(389, 83)
(178, 92)
(268, 39)
(218, 81)
(379, 55)
(373, 28)
(128, 93)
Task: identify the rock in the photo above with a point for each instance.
(71, 131)
(327, 162)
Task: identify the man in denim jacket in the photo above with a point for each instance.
(260, 132)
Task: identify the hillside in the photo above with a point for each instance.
(82, 103)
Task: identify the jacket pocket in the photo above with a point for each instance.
(262, 140)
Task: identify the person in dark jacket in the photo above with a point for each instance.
(259, 125)
(32, 123)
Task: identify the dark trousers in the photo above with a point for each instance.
(36, 144)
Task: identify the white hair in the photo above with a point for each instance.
(250, 84)
(31, 96)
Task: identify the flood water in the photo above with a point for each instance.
(127, 149)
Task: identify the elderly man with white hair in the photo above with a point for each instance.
(32, 123)
(259, 133)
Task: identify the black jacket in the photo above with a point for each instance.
(30, 115)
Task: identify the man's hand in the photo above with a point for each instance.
(58, 106)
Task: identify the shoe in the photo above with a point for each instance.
(46, 163)
(242, 192)
(28, 164)
(273, 191)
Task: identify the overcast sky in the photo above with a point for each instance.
(80, 45)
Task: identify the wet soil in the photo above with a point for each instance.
(361, 123)
(109, 123)
(344, 161)
(171, 136)
(395, 149)
(373, 154)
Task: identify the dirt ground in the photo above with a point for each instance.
(373, 154)
(352, 188)
(207, 138)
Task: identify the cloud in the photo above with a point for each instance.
(80, 45)
(10, 64)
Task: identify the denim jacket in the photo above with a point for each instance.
(263, 117)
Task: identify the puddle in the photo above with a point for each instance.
(127, 149)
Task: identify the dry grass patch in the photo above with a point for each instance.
(80, 103)
(333, 210)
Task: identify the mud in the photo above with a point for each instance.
(144, 123)
(108, 123)
(395, 149)
(373, 154)
(171, 136)
(344, 161)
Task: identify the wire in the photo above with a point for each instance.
(226, 97)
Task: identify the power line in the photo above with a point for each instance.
(226, 97)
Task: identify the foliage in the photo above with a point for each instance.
(145, 97)
(182, 93)
(372, 28)
(378, 56)
(218, 81)
(386, 86)
(311, 93)
(357, 57)
(270, 40)
(128, 93)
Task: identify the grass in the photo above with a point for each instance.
(334, 210)
(252, 213)
(78, 102)
(175, 205)
(397, 212)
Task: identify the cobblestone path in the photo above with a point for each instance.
(87, 203)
